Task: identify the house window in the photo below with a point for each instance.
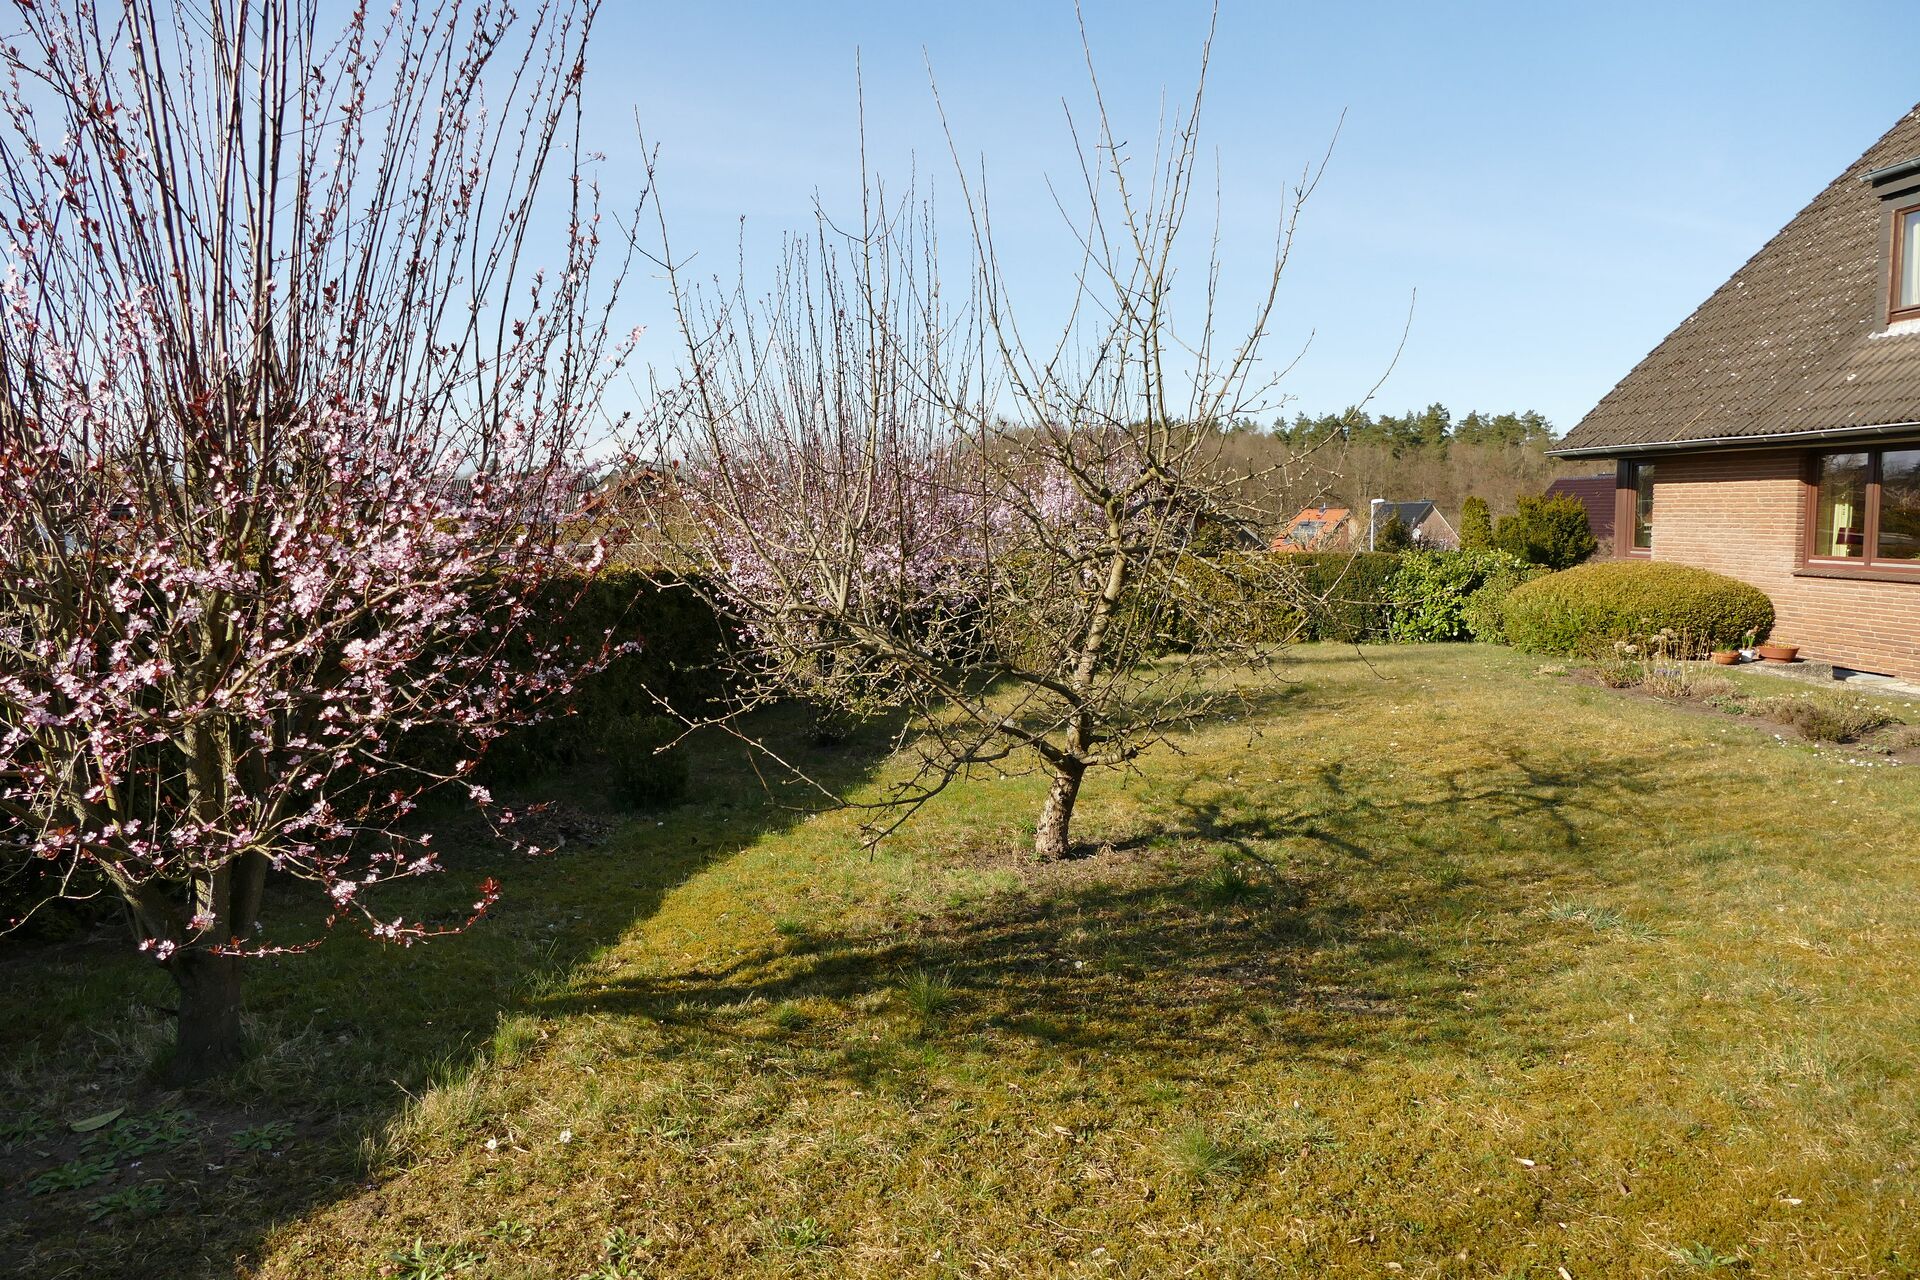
(1904, 300)
(1640, 478)
(1865, 508)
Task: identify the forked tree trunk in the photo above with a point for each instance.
(1050, 841)
(209, 1042)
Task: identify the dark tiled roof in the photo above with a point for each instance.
(1410, 513)
(1787, 344)
(1595, 494)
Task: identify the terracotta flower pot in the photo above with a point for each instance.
(1779, 652)
(1726, 657)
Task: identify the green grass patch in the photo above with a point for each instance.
(1438, 967)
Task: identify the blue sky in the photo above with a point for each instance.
(1562, 184)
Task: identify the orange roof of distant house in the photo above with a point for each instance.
(1313, 529)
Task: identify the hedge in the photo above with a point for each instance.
(1431, 589)
(1357, 587)
(680, 647)
(1579, 611)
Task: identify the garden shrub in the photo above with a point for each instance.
(1484, 614)
(1356, 588)
(1233, 597)
(1836, 720)
(646, 772)
(1582, 610)
(1476, 525)
(1394, 534)
(1430, 591)
(1551, 531)
(680, 646)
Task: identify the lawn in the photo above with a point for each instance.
(1440, 965)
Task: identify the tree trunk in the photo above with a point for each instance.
(1056, 816)
(209, 1042)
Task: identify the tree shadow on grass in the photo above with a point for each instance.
(1368, 926)
(344, 1036)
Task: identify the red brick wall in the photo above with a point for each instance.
(1740, 513)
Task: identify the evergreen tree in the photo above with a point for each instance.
(1476, 525)
(1547, 531)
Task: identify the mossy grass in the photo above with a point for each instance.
(1441, 966)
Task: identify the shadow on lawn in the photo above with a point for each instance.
(1364, 936)
(345, 1034)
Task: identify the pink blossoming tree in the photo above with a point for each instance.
(909, 500)
(287, 432)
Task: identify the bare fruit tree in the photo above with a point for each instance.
(908, 503)
(287, 436)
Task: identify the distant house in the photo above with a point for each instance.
(1320, 528)
(1595, 493)
(1422, 518)
(1775, 435)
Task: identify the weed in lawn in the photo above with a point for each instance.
(139, 1202)
(72, 1176)
(1198, 1157)
(422, 1261)
(1229, 885)
(265, 1137)
(23, 1126)
(1706, 1259)
(514, 1037)
(431, 1261)
(510, 1231)
(788, 1016)
(929, 996)
(136, 1136)
(801, 1235)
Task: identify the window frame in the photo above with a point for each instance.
(1867, 564)
(1895, 262)
(1626, 510)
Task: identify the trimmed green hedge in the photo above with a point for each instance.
(679, 655)
(1431, 591)
(1358, 589)
(1582, 609)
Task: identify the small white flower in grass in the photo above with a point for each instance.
(493, 1144)
(566, 1135)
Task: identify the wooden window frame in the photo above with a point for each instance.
(1895, 256)
(1867, 565)
(1626, 510)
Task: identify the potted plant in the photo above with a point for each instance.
(1774, 651)
(1726, 657)
(1747, 652)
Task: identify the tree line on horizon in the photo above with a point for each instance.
(1349, 457)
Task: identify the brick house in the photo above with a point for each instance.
(1317, 528)
(1775, 435)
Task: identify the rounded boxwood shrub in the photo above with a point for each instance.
(1584, 609)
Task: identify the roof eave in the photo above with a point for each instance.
(1771, 440)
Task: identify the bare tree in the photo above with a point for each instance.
(286, 439)
(906, 501)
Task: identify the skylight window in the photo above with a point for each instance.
(1905, 302)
